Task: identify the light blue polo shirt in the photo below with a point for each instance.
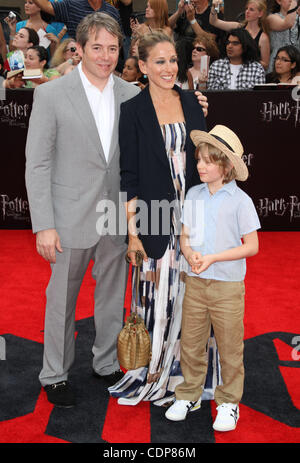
(216, 223)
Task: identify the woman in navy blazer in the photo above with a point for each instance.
(145, 169)
(157, 165)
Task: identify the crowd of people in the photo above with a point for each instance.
(229, 58)
(140, 140)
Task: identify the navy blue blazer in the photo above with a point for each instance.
(145, 168)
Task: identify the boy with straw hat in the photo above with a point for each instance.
(219, 231)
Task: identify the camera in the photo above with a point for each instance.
(217, 7)
(187, 2)
(12, 15)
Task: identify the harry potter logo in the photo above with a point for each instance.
(282, 111)
(14, 113)
(279, 207)
(17, 208)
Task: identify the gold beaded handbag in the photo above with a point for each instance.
(134, 343)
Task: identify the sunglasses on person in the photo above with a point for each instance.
(199, 49)
(72, 49)
(285, 60)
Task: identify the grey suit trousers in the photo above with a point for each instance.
(110, 272)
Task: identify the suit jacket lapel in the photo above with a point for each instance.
(149, 119)
(119, 97)
(76, 93)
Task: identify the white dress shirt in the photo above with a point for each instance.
(103, 108)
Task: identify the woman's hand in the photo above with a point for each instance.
(53, 38)
(11, 22)
(134, 25)
(14, 82)
(203, 77)
(76, 59)
(134, 245)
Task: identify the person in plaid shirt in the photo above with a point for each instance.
(240, 70)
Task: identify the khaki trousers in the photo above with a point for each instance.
(220, 304)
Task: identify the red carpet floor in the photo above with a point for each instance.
(270, 412)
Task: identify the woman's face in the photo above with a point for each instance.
(70, 51)
(161, 66)
(252, 12)
(32, 60)
(198, 51)
(130, 72)
(284, 4)
(134, 48)
(283, 64)
(149, 13)
(20, 40)
(31, 8)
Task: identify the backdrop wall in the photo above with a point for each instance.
(267, 122)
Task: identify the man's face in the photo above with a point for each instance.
(99, 56)
(234, 48)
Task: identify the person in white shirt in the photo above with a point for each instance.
(240, 70)
(72, 165)
(72, 175)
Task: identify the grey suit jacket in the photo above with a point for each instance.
(66, 170)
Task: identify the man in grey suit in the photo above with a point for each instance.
(72, 163)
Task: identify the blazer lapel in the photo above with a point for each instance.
(119, 96)
(150, 122)
(76, 93)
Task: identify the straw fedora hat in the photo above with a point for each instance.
(225, 140)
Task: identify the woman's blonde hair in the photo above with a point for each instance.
(217, 157)
(262, 7)
(58, 57)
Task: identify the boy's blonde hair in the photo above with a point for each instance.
(216, 156)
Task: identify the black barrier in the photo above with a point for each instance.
(268, 123)
(14, 117)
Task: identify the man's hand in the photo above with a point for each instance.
(45, 5)
(47, 241)
(189, 11)
(203, 101)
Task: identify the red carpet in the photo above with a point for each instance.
(270, 411)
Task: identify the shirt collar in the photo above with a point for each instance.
(87, 84)
(229, 188)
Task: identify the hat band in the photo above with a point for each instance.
(223, 141)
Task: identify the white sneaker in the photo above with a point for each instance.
(227, 418)
(180, 408)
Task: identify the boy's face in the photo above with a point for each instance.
(209, 172)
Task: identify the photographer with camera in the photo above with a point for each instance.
(192, 19)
